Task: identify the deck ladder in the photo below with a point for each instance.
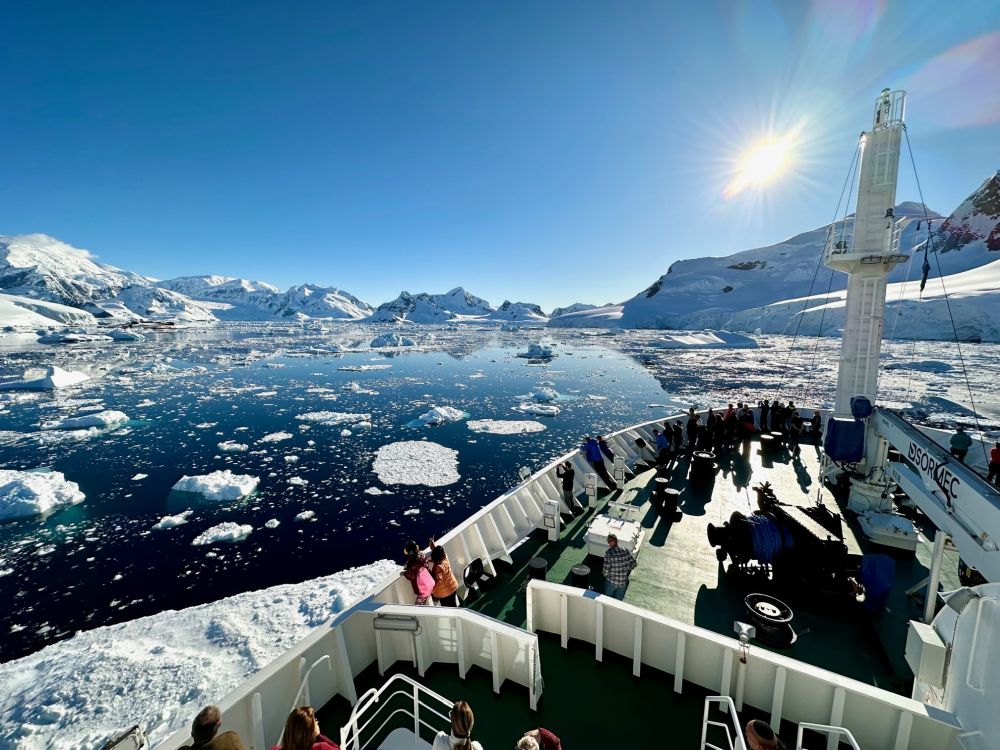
(401, 705)
(835, 735)
(731, 728)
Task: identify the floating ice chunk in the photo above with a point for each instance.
(169, 522)
(592, 397)
(925, 365)
(139, 477)
(276, 437)
(51, 378)
(231, 446)
(298, 481)
(355, 387)
(119, 335)
(29, 493)
(305, 515)
(363, 368)
(345, 432)
(416, 462)
(505, 426)
(543, 410)
(272, 524)
(219, 485)
(291, 459)
(102, 419)
(544, 395)
(411, 512)
(442, 414)
(377, 491)
(333, 418)
(227, 531)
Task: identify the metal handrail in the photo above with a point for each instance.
(350, 733)
(825, 729)
(734, 739)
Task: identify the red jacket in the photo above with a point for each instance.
(995, 455)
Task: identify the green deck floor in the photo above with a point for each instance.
(586, 703)
(678, 574)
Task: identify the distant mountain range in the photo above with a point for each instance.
(46, 281)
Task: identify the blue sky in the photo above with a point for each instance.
(550, 152)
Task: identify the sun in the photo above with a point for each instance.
(761, 164)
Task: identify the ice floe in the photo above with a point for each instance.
(227, 531)
(276, 437)
(231, 446)
(305, 515)
(333, 418)
(416, 462)
(158, 670)
(505, 426)
(272, 523)
(442, 414)
(169, 522)
(219, 485)
(542, 410)
(101, 420)
(30, 493)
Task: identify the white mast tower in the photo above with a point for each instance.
(868, 260)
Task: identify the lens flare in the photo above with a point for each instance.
(760, 164)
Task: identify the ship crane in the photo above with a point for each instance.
(959, 502)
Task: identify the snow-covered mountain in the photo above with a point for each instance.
(242, 299)
(435, 308)
(321, 302)
(748, 279)
(154, 303)
(39, 266)
(970, 236)
(522, 312)
(575, 307)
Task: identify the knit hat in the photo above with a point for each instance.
(760, 736)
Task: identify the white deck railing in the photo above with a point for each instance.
(326, 662)
(421, 704)
(770, 682)
(731, 729)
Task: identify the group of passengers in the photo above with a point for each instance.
(735, 425)
(302, 732)
(430, 576)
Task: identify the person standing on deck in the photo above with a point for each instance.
(618, 566)
(765, 412)
(677, 431)
(538, 739)
(415, 571)
(662, 446)
(994, 475)
(445, 584)
(960, 444)
(692, 430)
(817, 427)
(567, 475)
(595, 457)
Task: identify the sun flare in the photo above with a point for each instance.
(760, 164)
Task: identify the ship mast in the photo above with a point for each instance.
(867, 260)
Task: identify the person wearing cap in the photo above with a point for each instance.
(760, 736)
(994, 466)
(618, 566)
(960, 444)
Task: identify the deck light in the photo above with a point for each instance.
(396, 622)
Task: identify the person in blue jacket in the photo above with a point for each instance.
(663, 446)
(595, 457)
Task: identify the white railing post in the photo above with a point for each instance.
(416, 711)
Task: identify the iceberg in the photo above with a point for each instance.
(231, 446)
(704, 340)
(537, 351)
(441, 414)
(170, 522)
(51, 378)
(227, 531)
(389, 339)
(32, 493)
(219, 485)
(101, 420)
(542, 410)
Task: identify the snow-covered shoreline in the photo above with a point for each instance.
(157, 671)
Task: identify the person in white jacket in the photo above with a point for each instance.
(460, 737)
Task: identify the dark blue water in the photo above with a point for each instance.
(99, 563)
